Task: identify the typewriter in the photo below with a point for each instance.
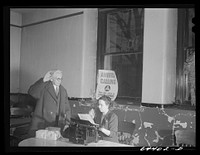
(82, 131)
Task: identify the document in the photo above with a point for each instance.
(86, 117)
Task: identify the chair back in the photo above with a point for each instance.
(127, 127)
(185, 138)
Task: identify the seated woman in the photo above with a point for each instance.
(108, 120)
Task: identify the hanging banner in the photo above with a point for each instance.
(107, 84)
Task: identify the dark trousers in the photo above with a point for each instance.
(57, 120)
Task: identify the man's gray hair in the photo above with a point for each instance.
(56, 72)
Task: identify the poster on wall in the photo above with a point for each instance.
(107, 84)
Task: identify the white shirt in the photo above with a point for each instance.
(55, 87)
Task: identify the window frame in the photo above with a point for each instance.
(101, 45)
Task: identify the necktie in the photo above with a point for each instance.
(57, 90)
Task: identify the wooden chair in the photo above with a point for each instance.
(125, 127)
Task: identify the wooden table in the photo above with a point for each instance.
(65, 142)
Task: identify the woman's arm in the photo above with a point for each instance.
(105, 131)
(112, 126)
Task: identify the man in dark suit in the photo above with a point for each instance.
(52, 109)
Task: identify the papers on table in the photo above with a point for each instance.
(86, 117)
(46, 134)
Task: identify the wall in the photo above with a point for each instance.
(154, 126)
(52, 45)
(15, 47)
(39, 15)
(70, 46)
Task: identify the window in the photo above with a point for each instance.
(120, 48)
(186, 85)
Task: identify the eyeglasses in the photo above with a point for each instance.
(59, 79)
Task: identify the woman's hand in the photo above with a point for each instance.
(105, 131)
(92, 113)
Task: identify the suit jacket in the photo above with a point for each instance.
(110, 122)
(48, 104)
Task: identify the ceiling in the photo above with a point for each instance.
(26, 10)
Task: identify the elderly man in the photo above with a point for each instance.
(52, 109)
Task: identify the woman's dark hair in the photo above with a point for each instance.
(107, 100)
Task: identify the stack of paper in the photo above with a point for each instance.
(87, 117)
(46, 134)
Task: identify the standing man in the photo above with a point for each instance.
(52, 107)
